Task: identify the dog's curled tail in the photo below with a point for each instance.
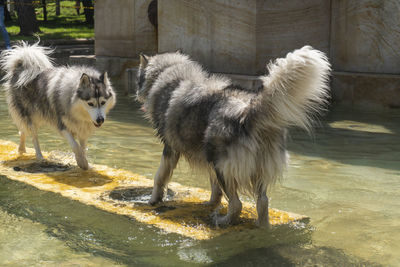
(24, 63)
(296, 88)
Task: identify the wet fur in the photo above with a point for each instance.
(40, 93)
(237, 134)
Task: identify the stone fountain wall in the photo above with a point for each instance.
(238, 37)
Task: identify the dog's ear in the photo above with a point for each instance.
(143, 60)
(179, 51)
(104, 78)
(85, 80)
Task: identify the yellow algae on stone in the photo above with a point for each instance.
(123, 192)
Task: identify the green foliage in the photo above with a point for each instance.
(68, 25)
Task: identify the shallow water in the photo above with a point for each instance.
(346, 178)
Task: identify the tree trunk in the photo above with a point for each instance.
(88, 10)
(44, 10)
(58, 12)
(7, 15)
(26, 17)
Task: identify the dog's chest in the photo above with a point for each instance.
(80, 129)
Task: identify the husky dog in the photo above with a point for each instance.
(237, 134)
(75, 100)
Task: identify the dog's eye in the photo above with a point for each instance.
(90, 104)
(102, 103)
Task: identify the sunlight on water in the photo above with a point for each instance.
(345, 178)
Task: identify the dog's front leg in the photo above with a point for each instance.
(36, 145)
(83, 143)
(22, 138)
(168, 163)
(262, 209)
(76, 148)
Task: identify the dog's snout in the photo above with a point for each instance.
(100, 120)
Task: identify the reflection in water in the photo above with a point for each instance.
(346, 178)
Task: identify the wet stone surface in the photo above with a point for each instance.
(136, 194)
(163, 209)
(43, 167)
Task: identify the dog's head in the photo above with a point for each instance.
(97, 96)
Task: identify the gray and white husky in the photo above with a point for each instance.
(75, 100)
(237, 134)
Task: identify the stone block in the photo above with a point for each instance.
(115, 66)
(122, 28)
(286, 25)
(219, 34)
(366, 36)
(240, 37)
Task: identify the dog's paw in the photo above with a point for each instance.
(39, 156)
(263, 224)
(155, 200)
(21, 150)
(157, 195)
(82, 163)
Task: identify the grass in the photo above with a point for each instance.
(68, 25)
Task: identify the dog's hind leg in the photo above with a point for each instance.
(36, 145)
(22, 138)
(216, 192)
(262, 209)
(234, 204)
(168, 163)
(76, 148)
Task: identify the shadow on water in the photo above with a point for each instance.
(354, 137)
(289, 256)
(87, 229)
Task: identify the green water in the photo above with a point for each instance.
(346, 178)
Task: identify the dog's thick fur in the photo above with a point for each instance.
(74, 100)
(238, 134)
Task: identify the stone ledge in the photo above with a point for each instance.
(116, 66)
(89, 60)
(366, 89)
(245, 81)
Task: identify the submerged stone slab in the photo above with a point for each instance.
(125, 193)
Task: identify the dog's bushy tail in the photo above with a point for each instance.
(24, 63)
(296, 88)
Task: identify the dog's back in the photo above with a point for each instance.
(186, 105)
